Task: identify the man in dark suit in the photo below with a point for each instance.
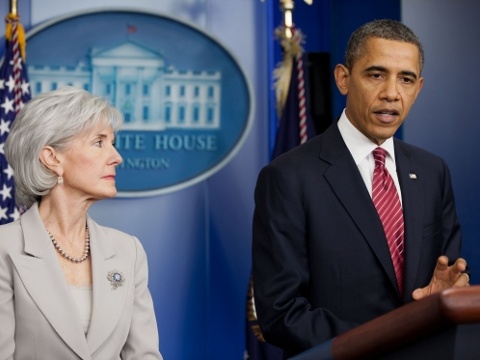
(321, 261)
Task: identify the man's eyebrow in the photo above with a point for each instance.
(409, 73)
(383, 69)
(375, 68)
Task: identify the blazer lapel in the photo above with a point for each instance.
(348, 185)
(43, 278)
(108, 301)
(412, 200)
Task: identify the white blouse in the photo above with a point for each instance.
(82, 296)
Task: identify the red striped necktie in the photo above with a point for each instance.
(386, 201)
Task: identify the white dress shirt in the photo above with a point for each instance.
(361, 149)
(82, 296)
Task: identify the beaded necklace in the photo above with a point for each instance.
(86, 253)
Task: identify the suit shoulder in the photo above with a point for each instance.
(301, 154)
(11, 236)
(11, 227)
(418, 153)
(121, 240)
(422, 161)
(115, 233)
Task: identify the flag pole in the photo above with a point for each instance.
(12, 72)
(13, 7)
(13, 20)
(289, 83)
(287, 8)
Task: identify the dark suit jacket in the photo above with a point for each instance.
(321, 263)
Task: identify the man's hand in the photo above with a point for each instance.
(444, 277)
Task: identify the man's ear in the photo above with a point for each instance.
(420, 86)
(50, 159)
(342, 77)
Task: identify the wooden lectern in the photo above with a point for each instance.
(443, 326)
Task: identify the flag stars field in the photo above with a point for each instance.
(10, 84)
(13, 82)
(7, 105)
(6, 192)
(25, 88)
(4, 126)
(8, 170)
(3, 213)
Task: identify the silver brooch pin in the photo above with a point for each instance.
(116, 278)
(412, 176)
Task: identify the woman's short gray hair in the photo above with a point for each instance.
(51, 119)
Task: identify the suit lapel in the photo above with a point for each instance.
(108, 303)
(412, 200)
(43, 278)
(347, 183)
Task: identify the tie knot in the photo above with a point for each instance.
(379, 155)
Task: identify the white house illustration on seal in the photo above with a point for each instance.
(136, 79)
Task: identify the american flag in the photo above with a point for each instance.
(295, 127)
(14, 92)
(295, 124)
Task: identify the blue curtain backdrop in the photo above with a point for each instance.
(198, 239)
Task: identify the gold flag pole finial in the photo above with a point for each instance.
(13, 7)
(291, 40)
(12, 20)
(287, 8)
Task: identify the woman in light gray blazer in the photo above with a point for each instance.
(70, 288)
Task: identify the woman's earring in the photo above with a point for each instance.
(60, 180)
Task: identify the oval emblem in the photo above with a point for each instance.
(186, 101)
